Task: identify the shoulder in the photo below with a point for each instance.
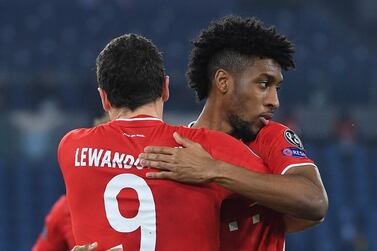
(77, 135)
(275, 132)
(211, 139)
(280, 148)
(222, 143)
(74, 134)
(195, 134)
(272, 129)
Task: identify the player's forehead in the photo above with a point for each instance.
(264, 67)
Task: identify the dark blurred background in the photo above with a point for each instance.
(47, 87)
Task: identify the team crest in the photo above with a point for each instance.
(293, 139)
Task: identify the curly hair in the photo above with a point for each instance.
(130, 70)
(230, 43)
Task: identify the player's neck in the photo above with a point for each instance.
(153, 109)
(212, 118)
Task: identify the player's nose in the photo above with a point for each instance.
(272, 98)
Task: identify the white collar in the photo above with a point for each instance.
(139, 119)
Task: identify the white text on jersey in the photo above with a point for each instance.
(93, 157)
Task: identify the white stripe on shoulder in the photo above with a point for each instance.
(298, 165)
(139, 119)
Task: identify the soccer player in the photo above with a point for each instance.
(236, 65)
(57, 233)
(110, 199)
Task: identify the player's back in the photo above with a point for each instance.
(113, 203)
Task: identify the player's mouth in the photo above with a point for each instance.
(265, 118)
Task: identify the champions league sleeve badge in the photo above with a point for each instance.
(293, 139)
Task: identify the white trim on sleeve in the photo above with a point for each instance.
(298, 165)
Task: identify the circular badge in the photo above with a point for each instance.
(293, 139)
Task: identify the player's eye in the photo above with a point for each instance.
(263, 84)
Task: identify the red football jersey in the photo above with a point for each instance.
(247, 225)
(57, 234)
(112, 202)
(280, 148)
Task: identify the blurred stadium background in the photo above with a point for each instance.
(47, 87)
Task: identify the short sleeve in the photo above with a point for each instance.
(280, 148)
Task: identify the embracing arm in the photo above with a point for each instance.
(299, 192)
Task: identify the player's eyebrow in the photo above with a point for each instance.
(271, 78)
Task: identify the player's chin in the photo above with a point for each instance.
(257, 127)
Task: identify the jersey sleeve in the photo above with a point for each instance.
(57, 234)
(280, 148)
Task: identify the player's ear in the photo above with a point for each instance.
(222, 80)
(105, 101)
(165, 89)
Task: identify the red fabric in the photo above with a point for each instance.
(57, 234)
(186, 217)
(255, 227)
(270, 144)
(248, 226)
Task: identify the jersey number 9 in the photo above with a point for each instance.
(146, 216)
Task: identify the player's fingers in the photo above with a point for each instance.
(88, 247)
(160, 149)
(117, 248)
(182, 140)
(160, 175)
(155, 157)
(156, 165)
(185, 142)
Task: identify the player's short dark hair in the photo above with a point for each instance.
(230, 43)
(130, 70)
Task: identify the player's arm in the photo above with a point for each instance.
(299, 192)
(295, 224)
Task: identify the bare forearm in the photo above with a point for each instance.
(289, 194)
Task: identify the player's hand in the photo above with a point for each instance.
(88, 247)
(93, 247)
(189, 164)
